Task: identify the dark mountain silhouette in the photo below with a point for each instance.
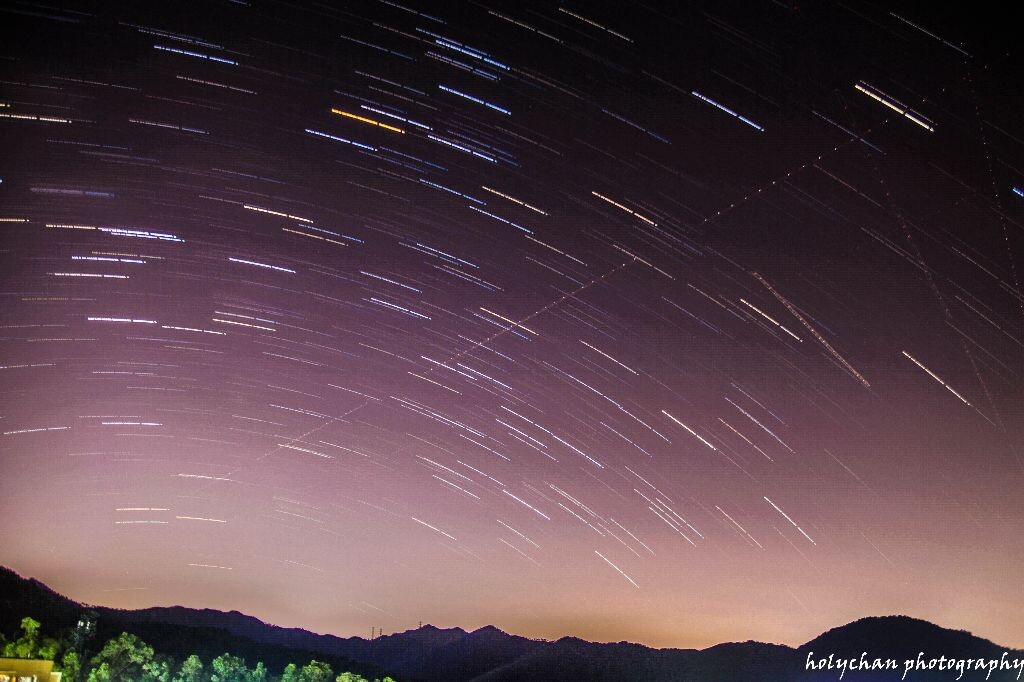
(429, 654)
(903, 638)
(206, 633)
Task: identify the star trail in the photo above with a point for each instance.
(674, 324)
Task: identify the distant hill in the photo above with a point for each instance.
(430, 654)
(206, 633)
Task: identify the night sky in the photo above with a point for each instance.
(675, 325)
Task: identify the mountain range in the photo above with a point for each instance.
(429, 654)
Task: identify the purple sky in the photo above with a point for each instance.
(575, 319)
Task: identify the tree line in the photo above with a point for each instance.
(126, 658)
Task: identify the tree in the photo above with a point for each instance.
(100, 674)
(31, 644)
(191, 670)
(258, 674)
(228, 668)
(83, 631)
(128, 659)
(290, 673)
(316, 671)
(26, 645)
(70, 666)
(350, 677)
(157, 670)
